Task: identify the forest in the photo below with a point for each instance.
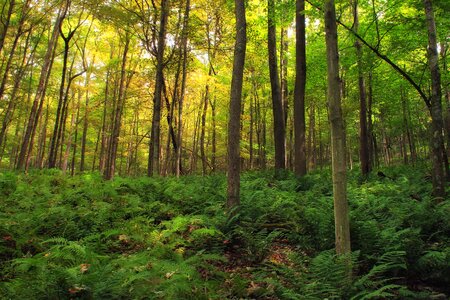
(246, 149)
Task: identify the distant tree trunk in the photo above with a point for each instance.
(154, 147)
(436, 105)
(6, 22)
(75, 139)
(183, 88)
(233, 199)
(59, 111)
(203, 128)
(85, 119)
(339, 169)
(312, 138)
(104, 138)
(6, 69)
(363, 134)
(36, 108)
(277, 106)
(116, 126)
(299, 93)
(9, 112)
(372, 147)
(284, 45)
(214, 135)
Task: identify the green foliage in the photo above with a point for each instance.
(167, 238)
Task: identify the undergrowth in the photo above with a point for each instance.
(166, 238)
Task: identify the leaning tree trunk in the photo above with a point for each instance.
(233, 199)
(436, 106)
(338, 147)
(278, 117)
(299, 93)
(38, 100)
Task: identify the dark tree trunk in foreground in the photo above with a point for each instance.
(278, 116)
(235, 107)
(154, 148)
(436, 105)
(338, 147)
(299, 93)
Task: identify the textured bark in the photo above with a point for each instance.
(203, 129)
(437, 125)
(56, 137)
(6, 23)
(114, 139)
(36, 108)
(9, 112)
(363, 132)
(233, 199)
(154, 147)
(299, 93)
(338, 147)
(277, 106)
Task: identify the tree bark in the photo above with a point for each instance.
(6, 23)
(363, 132)
(154, 147)
(277, 106)
(299, 93)
(233, 199)
(36, 108)
(338, 147)
(436, 105)
(114, 139)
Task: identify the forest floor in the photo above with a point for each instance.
(81, 237)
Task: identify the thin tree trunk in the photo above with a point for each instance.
(6, 23)
(363, 135)
(233, 199)
(339, 169)
(35, 112)
(114, 140)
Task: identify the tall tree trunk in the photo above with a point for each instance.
(75, 139)
(114, 140)
(214, 135)
(85, 119)
(299, 93)
(277, 106)
(36, 108)
(338, 147)
(154, 147)
(436, 105)
(6, 23)
(183, 88)
(203, 128)
(363, 135)
(233, 199)
(27, 59)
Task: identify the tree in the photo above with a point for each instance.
(437, 125)
(363, 132)
(300, 90)
(36, 110)
(338, 139)
(233, 199)
(277, 105)
(154, 146)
